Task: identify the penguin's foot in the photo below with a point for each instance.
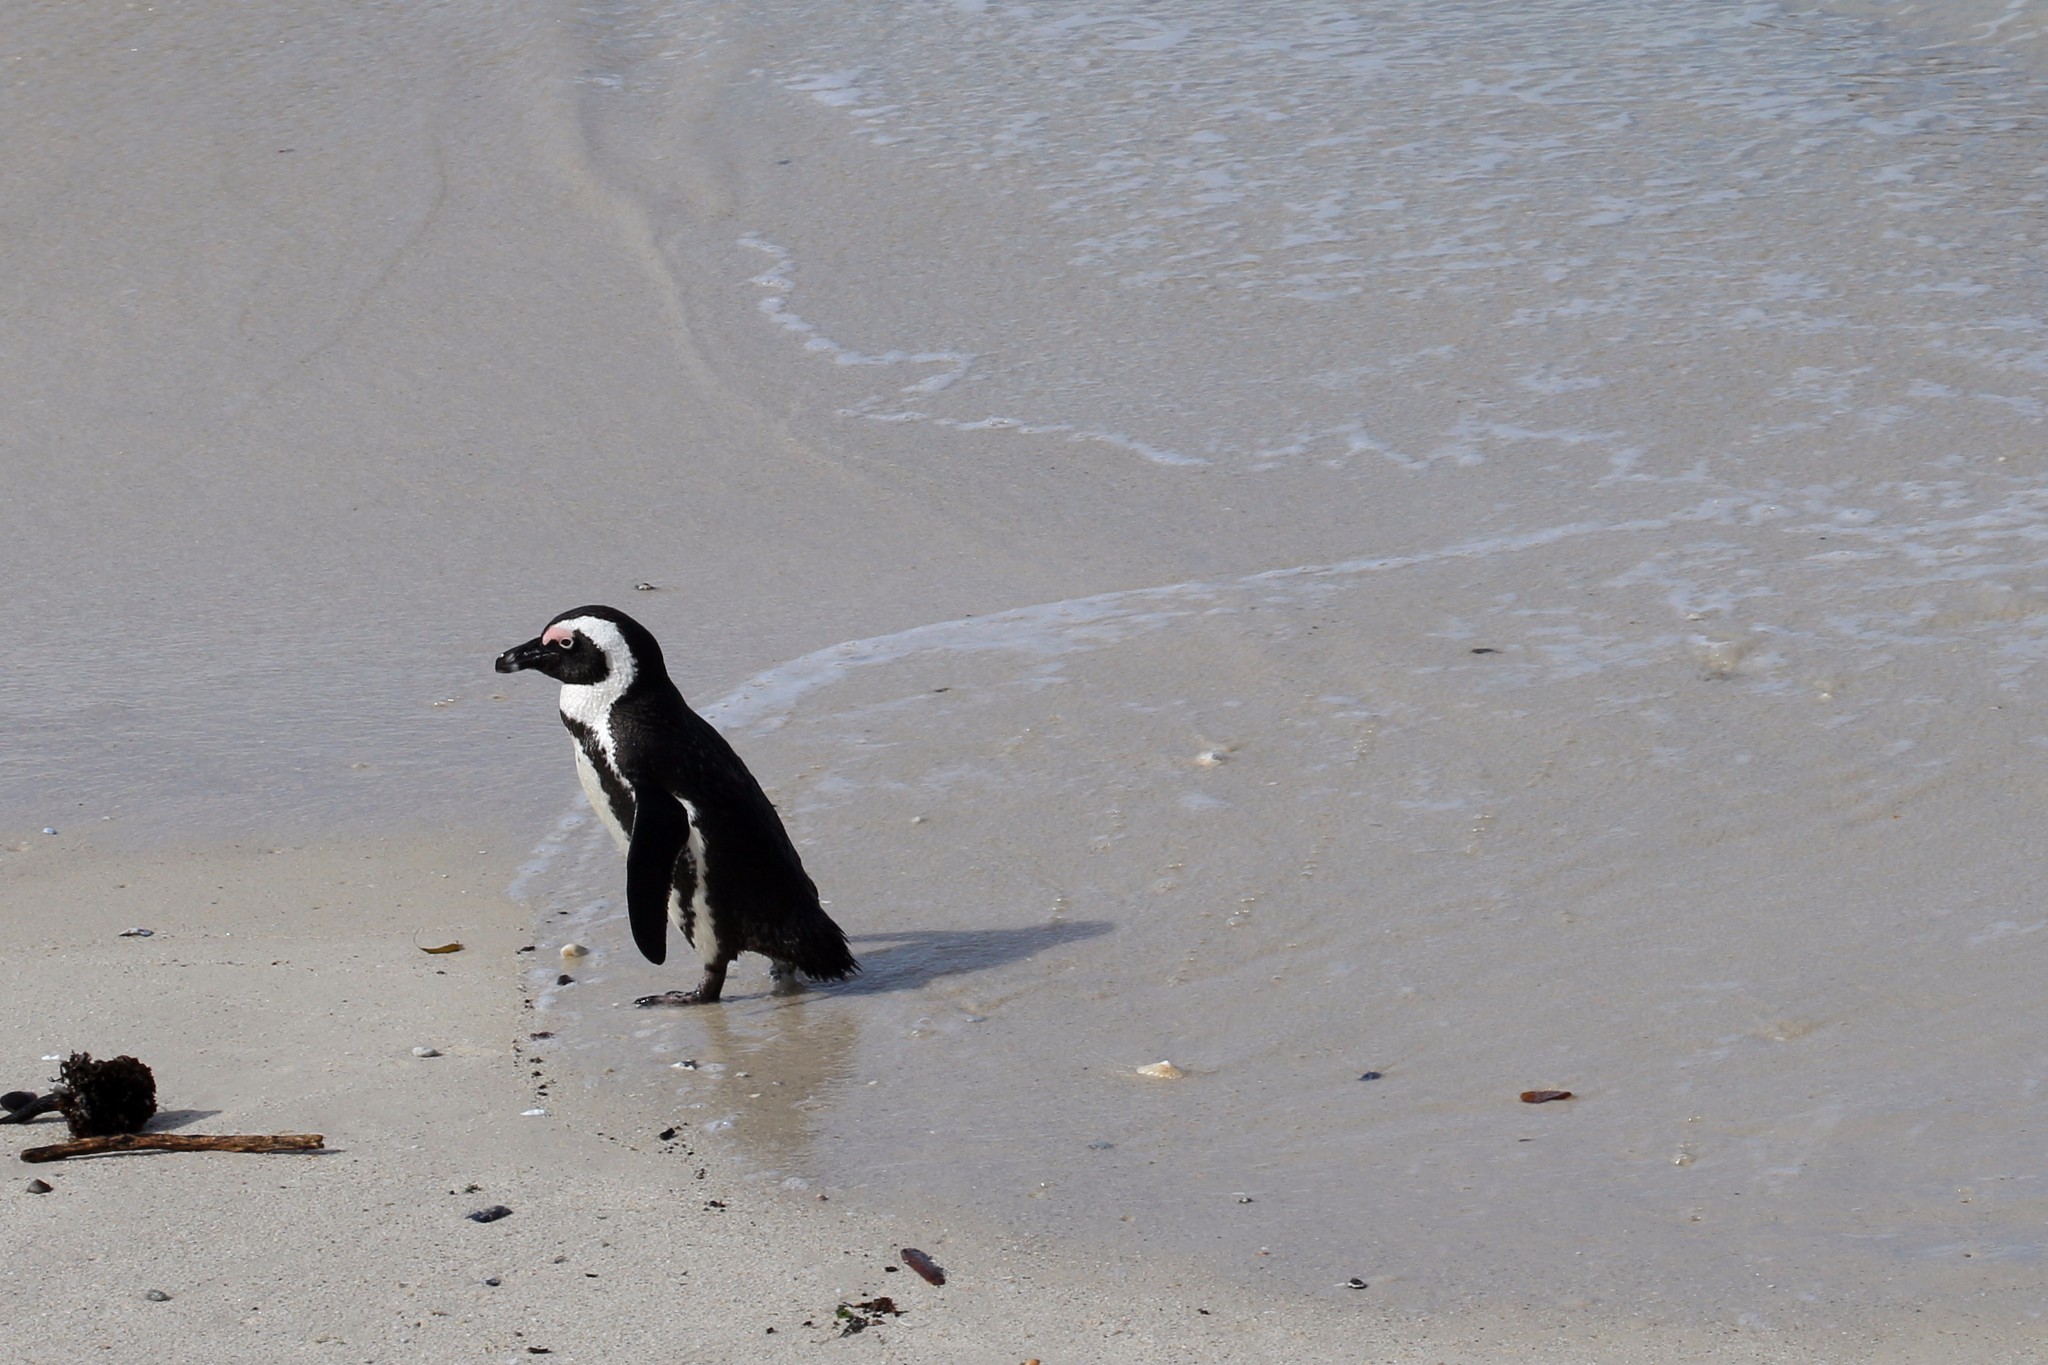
(783, 980)
(707, 991)
(675, 998)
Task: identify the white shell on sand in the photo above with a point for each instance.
(426, 1052)
(572, 951)
(1210, 758)
(1164, 1071)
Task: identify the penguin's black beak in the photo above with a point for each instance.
(521, 656)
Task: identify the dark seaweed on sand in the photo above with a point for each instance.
(99, 1099)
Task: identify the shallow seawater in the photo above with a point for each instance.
(1622, 684)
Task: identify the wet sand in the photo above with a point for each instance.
(283, 990)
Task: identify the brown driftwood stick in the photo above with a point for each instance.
(178, 1142)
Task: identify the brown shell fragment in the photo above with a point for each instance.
(1544, 1096)
(923, 1265)
(444, 948)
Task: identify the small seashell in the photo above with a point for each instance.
(646, 587)
(533, 1113)
(157, 1296)
(1162, 1071)
(444, 948)
(40, 1187)
(1544, 1096)
(47, 829)
(426, 1052)
(1354, 1283)
(1209, 758)
(489, 1215)
(572, 951)
(138, 933)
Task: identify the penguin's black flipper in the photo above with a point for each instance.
(659, 830)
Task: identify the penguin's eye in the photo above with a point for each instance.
(566, 642)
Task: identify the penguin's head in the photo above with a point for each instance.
(586, 647)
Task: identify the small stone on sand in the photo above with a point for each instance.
(426, 1052)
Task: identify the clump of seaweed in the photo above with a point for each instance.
(102, 1098)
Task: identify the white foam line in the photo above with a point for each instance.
(996, 422)
(1047, 629)
(777, 279)
(776, 307)
(544, 854)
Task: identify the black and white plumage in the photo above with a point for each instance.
(705, 849)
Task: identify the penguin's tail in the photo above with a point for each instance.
(818, 950)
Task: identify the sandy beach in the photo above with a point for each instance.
(303, 1016)
(1390, 556)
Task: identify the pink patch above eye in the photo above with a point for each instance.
(556, 635)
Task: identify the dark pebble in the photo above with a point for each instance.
(562, 980)
(1371, 1076)
(39, 1187)
(1100, 1146)
(540, 1350)
(489, 1215)
(1355, 1283)
(493, 1281)
(157, 1296)
(668, 1135)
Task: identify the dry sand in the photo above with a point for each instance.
(1575, 468)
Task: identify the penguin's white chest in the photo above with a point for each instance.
(593, 790)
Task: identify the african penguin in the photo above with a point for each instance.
(705, 851)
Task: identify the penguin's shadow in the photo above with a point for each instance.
(909, 958)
